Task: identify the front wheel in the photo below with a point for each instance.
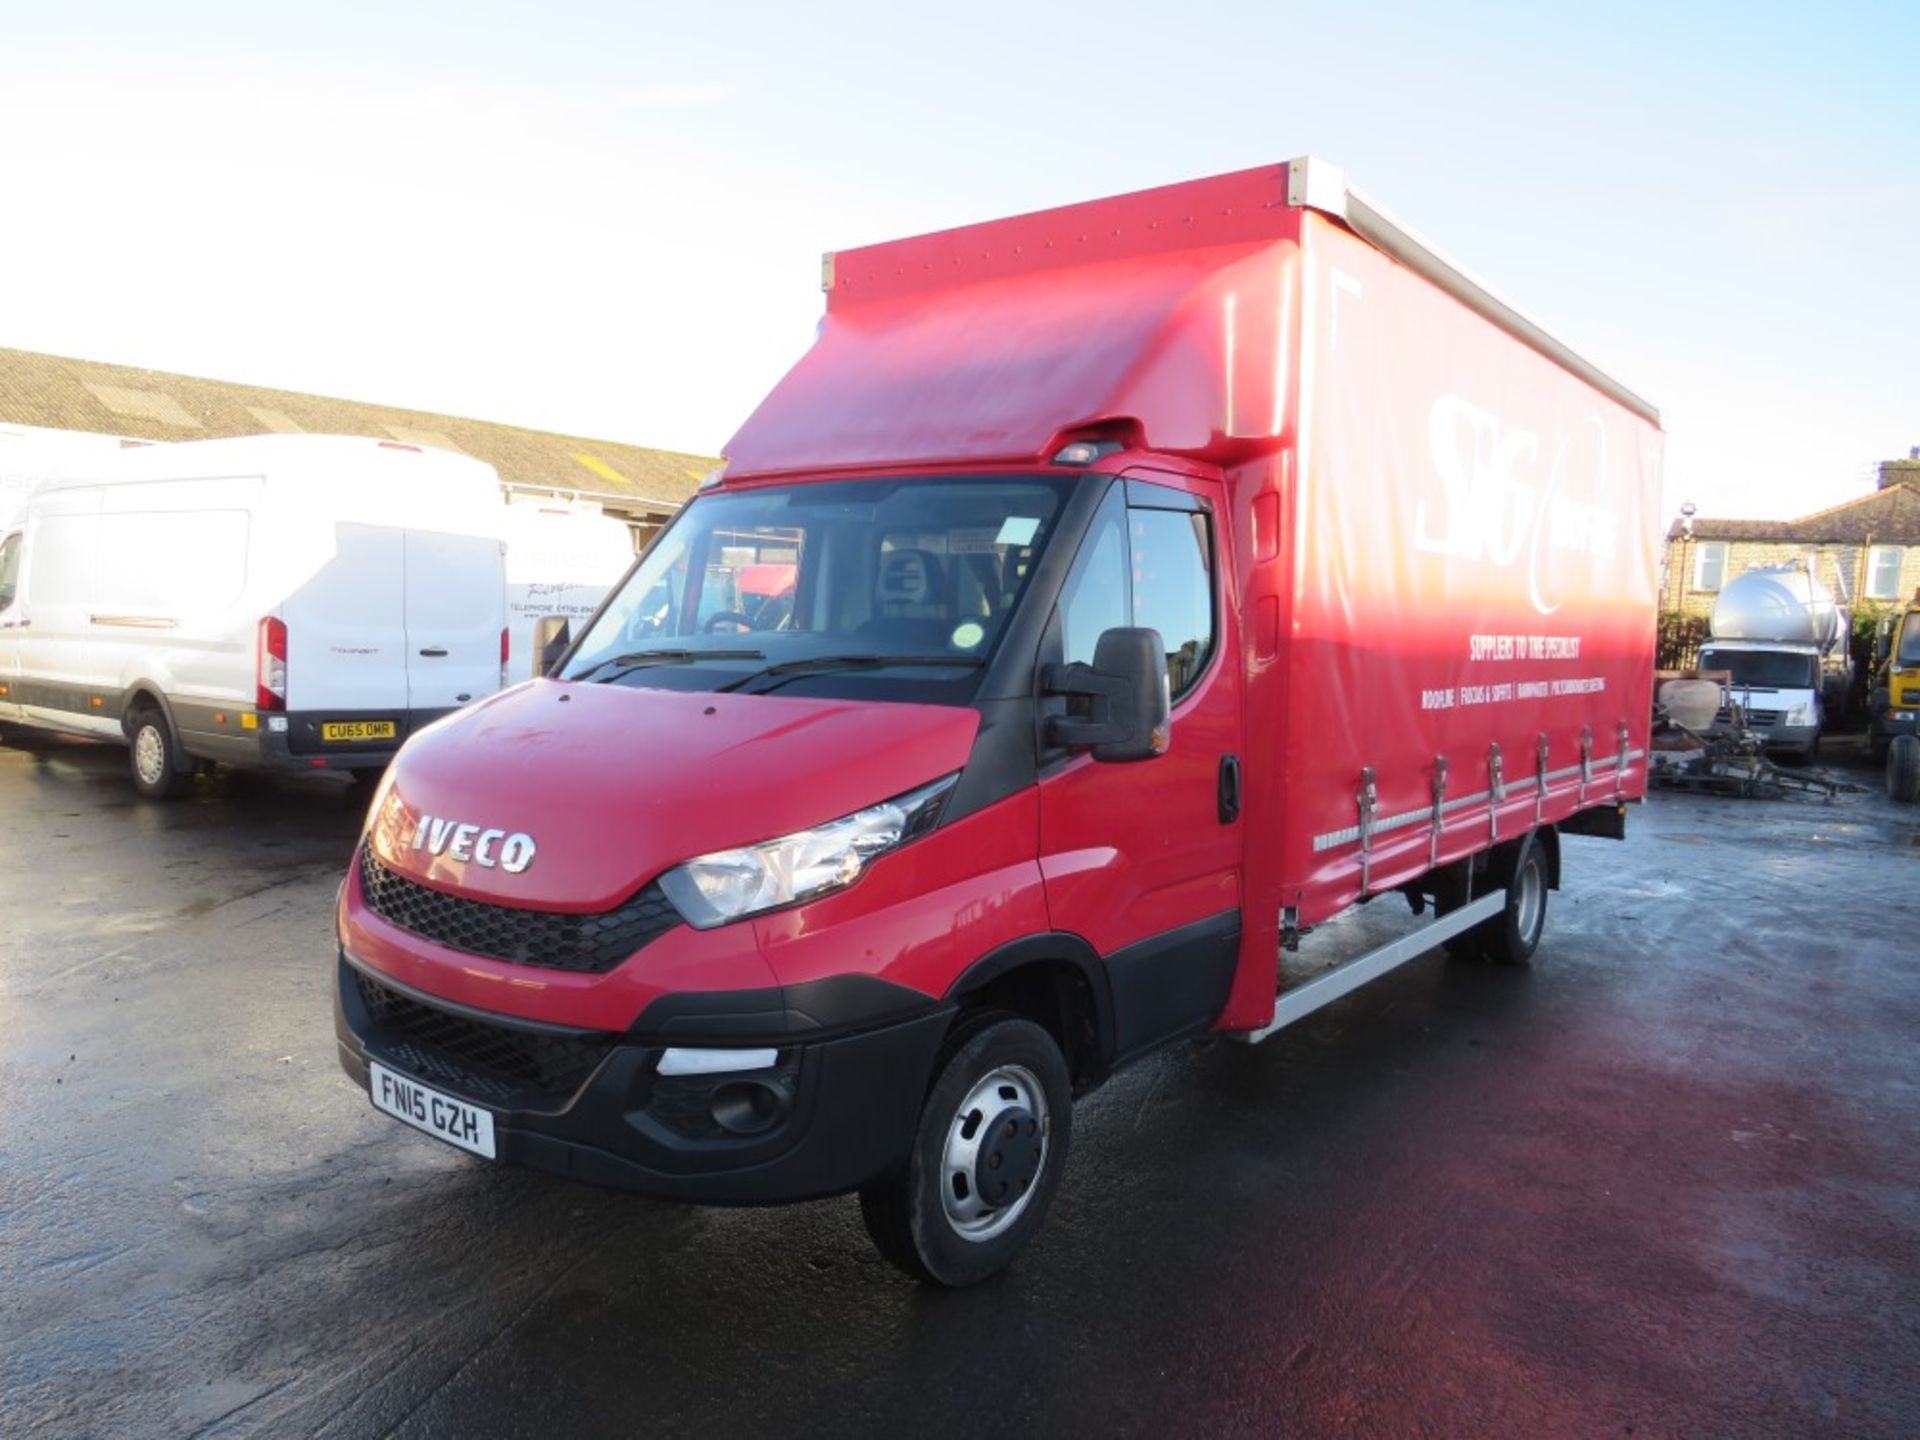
(1903, 769)
(154, 758)
(986, 1157)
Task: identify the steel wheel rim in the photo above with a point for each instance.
(1530, 902)
(149, 755)
(999, 1091)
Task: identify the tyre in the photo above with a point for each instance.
(986, 1158)
(1903, 768)
(154, 757)
(1512, 936)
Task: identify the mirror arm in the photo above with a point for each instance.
(1108, 693)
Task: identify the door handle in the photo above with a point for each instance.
(434, 652)
(1229, 793)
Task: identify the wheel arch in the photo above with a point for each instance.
(1548, 837)
(138, 695)
(1056, 980)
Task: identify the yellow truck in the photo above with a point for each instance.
(1896, 701)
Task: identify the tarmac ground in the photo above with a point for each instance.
(1666, 1183)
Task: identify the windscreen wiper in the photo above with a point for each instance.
(640, 659)
(787, 670)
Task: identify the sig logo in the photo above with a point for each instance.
(1503, 501)
(470, 843)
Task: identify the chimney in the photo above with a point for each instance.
(1901, 472)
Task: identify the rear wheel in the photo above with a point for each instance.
(153, 756)
(1903, 768)
(986, 1157)
(1512, 936)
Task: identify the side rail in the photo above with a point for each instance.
(1598, 793)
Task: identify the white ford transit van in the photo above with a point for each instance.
(283, 600)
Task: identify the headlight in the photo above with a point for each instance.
(711, 890)
(1799, 715)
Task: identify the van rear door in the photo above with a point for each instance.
(455, 610)
(346, 640)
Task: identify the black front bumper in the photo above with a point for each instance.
(840, 1105)
(1887, 724)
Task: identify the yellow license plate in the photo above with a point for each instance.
(333, 730)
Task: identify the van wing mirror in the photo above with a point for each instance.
(552, 634)
(1127, 689)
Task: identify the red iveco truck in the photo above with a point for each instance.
(1159, 577)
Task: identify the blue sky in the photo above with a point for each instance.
(606, 218)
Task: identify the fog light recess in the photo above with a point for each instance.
(749, 1107)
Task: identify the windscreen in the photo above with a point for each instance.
(1908, 655)
(1768, 669)
(885, 588)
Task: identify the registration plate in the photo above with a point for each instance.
(333, 730)
(441, 1116)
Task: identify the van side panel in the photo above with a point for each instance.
(168, 610)
(61, 673)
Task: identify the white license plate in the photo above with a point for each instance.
(441, 1116)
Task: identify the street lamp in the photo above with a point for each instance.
(1687, 511)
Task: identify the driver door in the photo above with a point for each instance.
(1142, 860)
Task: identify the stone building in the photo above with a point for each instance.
(1866, 551)
(83, 398)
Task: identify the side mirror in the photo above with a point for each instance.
(552, 634)
(1127, 689)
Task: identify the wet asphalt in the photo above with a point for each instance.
(1666, 1184)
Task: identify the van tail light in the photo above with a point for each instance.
(506, 653)
(270, 672)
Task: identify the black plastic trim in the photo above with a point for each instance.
(1172, 984)
(1054, 947)
(467, 1012)
(811, 1011)
(1608, 822)
(1145, 494)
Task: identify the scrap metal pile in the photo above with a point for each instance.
(1701, 742)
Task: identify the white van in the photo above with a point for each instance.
(283, 600)
(563, 556)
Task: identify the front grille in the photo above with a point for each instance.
(550, 939)
(1760, 719)
(472, 1057)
